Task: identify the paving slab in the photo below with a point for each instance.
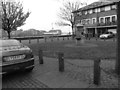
(50, 75)
(75, 84)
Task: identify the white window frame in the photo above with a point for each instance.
(107, 8)
(100, 19)
(115, 7)
(87, 21)
(80, 13)
(102, 8)
(115, 17)
(86, 12)
(110, 17)
(94, 19)
(98, 9)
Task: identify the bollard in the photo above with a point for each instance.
(89, 36)
(20, 41)
(37, 40)
(113, 38)
(96, 39)
(40, 56)
(97, 72)
(61, 61)
(58, 38)
(52, 39)
(45, 39)
(63, 38)
(68, 38)
(104, 39)
(29, 40)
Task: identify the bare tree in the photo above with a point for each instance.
(66, 13)
(12, 16)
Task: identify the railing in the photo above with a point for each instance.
(107, 24)
(39, 37)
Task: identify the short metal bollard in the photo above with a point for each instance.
(89, 37)
(58, 38)
(68, 38)
(63, 38)
(61, 61)
(40, 56)
(20, 41)
(96, 39)
(45, 39)
(51, 39)
(97, 72)
(113, 38)
(29, 41)
(37, 40)
(104, 39)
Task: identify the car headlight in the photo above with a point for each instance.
(29, 55)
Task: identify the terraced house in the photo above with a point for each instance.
(96, 18)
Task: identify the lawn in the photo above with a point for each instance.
(94, 49)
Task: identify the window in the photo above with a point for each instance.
(89, 11)
(113, 18)
(83, 21)
(83, 12)
(98, 9)
(113, 7)
(101, 20)
(79, 21)
(87, 21)
(93, 20)
(86, 12)
(107, 20)
(107, 8)
(93, 11)
(79, 13)
(102, 9)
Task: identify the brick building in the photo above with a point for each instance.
(96, 18)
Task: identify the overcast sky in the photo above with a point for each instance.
(44, 13)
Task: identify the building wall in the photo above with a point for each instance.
(87, 21)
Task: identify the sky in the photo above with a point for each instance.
(44, 14)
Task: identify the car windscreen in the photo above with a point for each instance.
(7, 43)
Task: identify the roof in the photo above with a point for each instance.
(97, 4)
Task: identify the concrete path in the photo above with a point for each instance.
(77, 74)
(49, 74)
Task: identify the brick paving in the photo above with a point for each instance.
(77, 74)
(22, 81)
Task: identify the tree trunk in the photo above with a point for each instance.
(73, 35)
(9, 34)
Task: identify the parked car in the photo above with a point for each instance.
(107, 35)
(14, 56)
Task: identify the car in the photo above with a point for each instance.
(107, 35)
(14, 56)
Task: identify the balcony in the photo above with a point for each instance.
(101, 24)
(114, 23)
(107, 24)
